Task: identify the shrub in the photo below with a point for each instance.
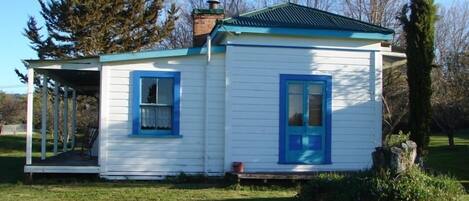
(394, 140)
(412, 185)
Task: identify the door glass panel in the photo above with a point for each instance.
(313, 142)
(295, 88)
(315, 105)
(295, 110)
(315, 89)
(296, 142)
(148, 90)
(295, 104)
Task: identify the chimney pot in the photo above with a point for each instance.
(213, 4)
(204, 20)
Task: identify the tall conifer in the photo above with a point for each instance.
(419, 28)
(77, 28)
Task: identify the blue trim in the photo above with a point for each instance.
(302, 47)
(284, 78)
(325, 33)
(136, 76)
(159, 54)
(154, 136)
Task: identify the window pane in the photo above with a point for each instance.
(165, 91)
(315, 110)
(164, 120)
(315, 89)
(148, 90)
(295, 110)
(148, 117)
(295, 88)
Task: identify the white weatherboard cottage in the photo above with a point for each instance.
(283, 89)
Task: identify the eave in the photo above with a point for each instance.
(221, 30)
(159, 54)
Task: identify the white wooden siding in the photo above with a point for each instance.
(253, 75)
(159, 156)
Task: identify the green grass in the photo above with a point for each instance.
(453, 161)
(85, 188)
(440, 158)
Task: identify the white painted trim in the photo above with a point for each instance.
(87, 64)
(29, 117)
(56, 116)
(103, 118)
(74, 117)
(209, 44)
(65, 119)
(157, 173)
(394, 54)
(61, 169)
(227, 144)
(143, 178)
(44, 117)
(378, 63)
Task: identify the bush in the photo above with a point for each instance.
(394, 140)
(412, 185)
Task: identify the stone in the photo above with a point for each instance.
(397, 158)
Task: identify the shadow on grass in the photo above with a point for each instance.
(11, 169)
(452, 161)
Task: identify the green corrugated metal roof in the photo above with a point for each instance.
(291, 15)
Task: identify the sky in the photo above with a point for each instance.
(14, 46)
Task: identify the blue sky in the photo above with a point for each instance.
(14, 46)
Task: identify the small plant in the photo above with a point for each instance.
(393, 140)
(412, 185)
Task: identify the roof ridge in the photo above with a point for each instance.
(341, 16)
(335, 21)
(250, 13)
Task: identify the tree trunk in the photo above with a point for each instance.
(451, 138)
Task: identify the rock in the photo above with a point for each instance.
(397, 158)
(412, 150)
(379, 158)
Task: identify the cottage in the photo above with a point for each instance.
(287, 88)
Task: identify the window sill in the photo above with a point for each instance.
(153, 136)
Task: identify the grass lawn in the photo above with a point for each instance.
(440, 158)
(453, 161)
(76, 188)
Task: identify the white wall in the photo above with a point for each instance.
(123, 155)
(252, 99)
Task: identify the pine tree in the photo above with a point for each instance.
(419, 30)
(80, 28)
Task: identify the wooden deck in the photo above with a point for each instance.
(67, 162)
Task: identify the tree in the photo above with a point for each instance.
(395, 103)
(419, 30)
(91, 27)
(450, 101)
(181, 36)
(80, 28)
(11, 108)
(326, 5)
(378, 12)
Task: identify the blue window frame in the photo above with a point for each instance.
(155, 103)
(305, 142)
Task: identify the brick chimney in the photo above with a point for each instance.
(204, 20)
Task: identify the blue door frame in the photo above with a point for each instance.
(323, 154)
